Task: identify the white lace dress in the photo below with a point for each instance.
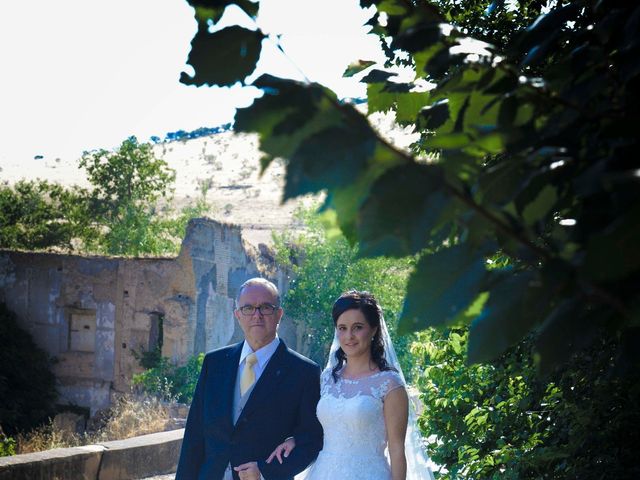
(355, 437)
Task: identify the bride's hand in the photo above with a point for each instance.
(283, 450)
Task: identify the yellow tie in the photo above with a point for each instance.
(248, 375)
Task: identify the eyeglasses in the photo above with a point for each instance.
(264, 309)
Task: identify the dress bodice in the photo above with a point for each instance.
(352, 417)
(351, 412)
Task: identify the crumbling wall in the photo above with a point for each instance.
(91, 312)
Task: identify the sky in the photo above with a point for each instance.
(85, 74)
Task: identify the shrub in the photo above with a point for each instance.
(324, 265)
(170, 381)
(502, 420)
(7, 445)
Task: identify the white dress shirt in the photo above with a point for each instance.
(263, 356)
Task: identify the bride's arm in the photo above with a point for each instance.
(396, 414)
(283, 450)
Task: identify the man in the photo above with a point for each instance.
(250, 397)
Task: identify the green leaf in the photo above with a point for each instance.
(223, 57)
(382, 97)
(288, 113)
(516, 303)
(472, 119)
(392, 7)
(403, 208)
(448, 141)
(472, 312)
(348, 199)
(423, 57)
(541, 206)
(443, 285)
(409, 105)
(379, 100)
(357, 67)
(328, 159)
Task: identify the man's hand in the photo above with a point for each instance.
(248, 471)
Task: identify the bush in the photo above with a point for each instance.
(39, 214)
(324, 265)
(7, 445)
(502, 420)
(27, 385)
(120, 215)
(170, 381)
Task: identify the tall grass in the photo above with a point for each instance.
(129, 417)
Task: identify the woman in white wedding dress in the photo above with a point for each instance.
(363, 407)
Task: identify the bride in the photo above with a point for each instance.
(364, 406)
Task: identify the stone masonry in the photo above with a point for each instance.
(91, 312)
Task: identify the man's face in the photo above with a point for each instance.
(259, 329)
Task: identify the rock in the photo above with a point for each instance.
(70, 422)
(178, 410)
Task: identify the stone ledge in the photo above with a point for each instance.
(136, 457)
(142, 456)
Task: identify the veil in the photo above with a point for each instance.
(417, 460)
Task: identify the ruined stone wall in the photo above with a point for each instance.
(91, 313)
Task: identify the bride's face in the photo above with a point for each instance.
(354, 333)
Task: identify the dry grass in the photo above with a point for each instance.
(46, 437)
(129, 417)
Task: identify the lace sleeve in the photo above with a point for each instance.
(325, 380)
(385, 382)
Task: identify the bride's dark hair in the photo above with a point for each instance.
(368, 305)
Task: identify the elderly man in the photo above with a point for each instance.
(250, 397)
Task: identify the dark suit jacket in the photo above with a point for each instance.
(282, 404)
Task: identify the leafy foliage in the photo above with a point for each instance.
(519, 200)
(502, 420)
(38, 214)
(129, 175)
(169, 381)
(7, 445)
(126, 186)
(27, 385)
(532, 158)
(324, 265)
(121, 215)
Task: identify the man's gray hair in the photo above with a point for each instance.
(259, 281)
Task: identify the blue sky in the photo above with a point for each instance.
(85, 74)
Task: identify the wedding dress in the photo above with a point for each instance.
(352, 418)
(355, 437)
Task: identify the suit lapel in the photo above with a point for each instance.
(268, 382)
(228, 381)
